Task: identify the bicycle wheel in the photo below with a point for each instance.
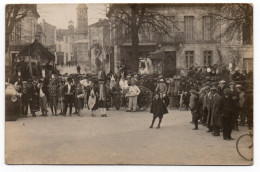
(244, 146)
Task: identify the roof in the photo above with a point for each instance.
(100, 23)
(39, 49)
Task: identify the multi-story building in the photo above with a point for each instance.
(49, 36)
(194, 42)
(72, 45)
(24, 32)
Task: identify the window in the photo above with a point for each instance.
(207, 35)
(207, 58)
(189, 56)
(188, 27)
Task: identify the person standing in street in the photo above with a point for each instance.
(68, 92)
(194, 107)
(227, 109)
(25, 98)
(60, 105)
(133, 93)
(235, 97)
(216, 116)
(93, 100)
(102, 92)
(53, 94)
(116, 90)
(43, 98)
(34, 99)
(161, 88)
(79, 98)
(158, 109)
(78, 69)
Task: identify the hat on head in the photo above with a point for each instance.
(205, 88)
(24, 82)
(232, 83)
(161, 80)
(222, 82)
(214, 88)
(238, 86)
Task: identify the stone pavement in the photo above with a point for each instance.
(121, 138)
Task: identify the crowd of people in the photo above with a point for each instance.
(216, 100)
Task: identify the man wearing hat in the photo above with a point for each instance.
(227, 109)
(221, 87)
(34, 99)
(161, 88)
(194, 107)
(215, 111)
(68, 92)
(43, 90)
(25, 98)
(235, 98)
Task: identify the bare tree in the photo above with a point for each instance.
(14, 14)
(237, 20)
(136, 18)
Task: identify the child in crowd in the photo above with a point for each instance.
(158, 109)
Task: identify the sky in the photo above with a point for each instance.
(60, 14)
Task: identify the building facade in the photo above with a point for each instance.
(194, 42)
(25, 32)
(72, 44)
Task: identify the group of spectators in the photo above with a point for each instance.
(216, 100)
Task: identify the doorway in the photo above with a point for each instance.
(169, 69)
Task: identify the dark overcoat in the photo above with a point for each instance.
(158, 107)
(216, 113)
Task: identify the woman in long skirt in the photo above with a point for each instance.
(53, 95)
(60, 105)
(116, 95)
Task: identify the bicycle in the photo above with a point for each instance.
(244, 146)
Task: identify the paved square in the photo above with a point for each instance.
(121, 138)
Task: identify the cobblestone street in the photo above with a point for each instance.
(122, 138)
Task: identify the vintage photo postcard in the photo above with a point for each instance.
(129, 84)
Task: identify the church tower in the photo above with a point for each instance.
(82, 18)
(71, 27)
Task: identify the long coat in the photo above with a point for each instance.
(158, 107)
(227, 107)
(215, 110)
(34, 102)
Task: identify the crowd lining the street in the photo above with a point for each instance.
(216, 100)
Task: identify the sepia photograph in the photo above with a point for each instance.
(129, 84)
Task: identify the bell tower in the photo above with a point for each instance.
(82, 19)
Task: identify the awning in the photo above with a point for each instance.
(37, 49)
